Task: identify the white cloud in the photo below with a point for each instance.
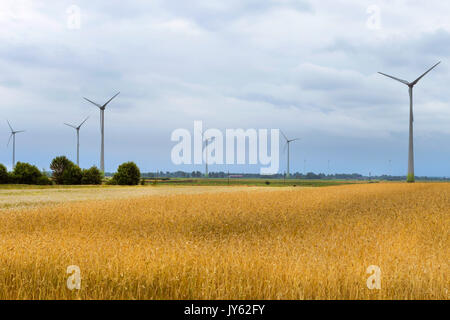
(306, 67)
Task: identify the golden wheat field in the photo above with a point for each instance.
(243, 243)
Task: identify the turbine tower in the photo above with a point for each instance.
(207, 141)
(288, 142)
(78, 138)
(102, 129)
(13, 136)
(411, 177)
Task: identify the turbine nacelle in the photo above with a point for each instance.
(102, 107)
(76, 127)
(13, 133)
(288, 140)
(410, 84)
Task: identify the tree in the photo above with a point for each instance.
(3, 174)
(25, 173)
(92, 176)
(127, 174)
(58, 165)
(72, 175)
(65, 171)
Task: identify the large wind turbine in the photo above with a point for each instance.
(288, 142)
(411, 177)
(13, 136)
(102, 129)
(78, 137)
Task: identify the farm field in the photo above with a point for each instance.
(226, 242)
(33, 196)
(20, 196)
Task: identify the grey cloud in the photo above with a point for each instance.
(306, 67)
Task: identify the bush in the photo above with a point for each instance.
(25, 173)
(58, 166)
(3, 174)
(12, 179)
(92, 176)
(127, 174)
(111, 182)
(44, 181)
(72, 175)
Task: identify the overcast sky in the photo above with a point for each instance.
(306, 67)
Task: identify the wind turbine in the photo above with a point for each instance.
(288, 142)
(411, 177)
(78, 137)
(13, 136)
(102, 129)
(207, 142)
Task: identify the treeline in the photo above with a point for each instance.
(23, 173)
(296, 175)
(221, 174)
(65, 172)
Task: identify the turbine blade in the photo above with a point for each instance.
(295, 139)
(96, 104)
(83, 121)
(418, 79)
(400, 80)
(9, 139)
(67, 124)
(19, 131)
(10, 126)
(285, 146)
(284, 135)
(110, 100)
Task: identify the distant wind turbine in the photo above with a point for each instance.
(207, 142)
(13, 136)
(102, 129)
(78, 137)
(411, 177)
(288, 142)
